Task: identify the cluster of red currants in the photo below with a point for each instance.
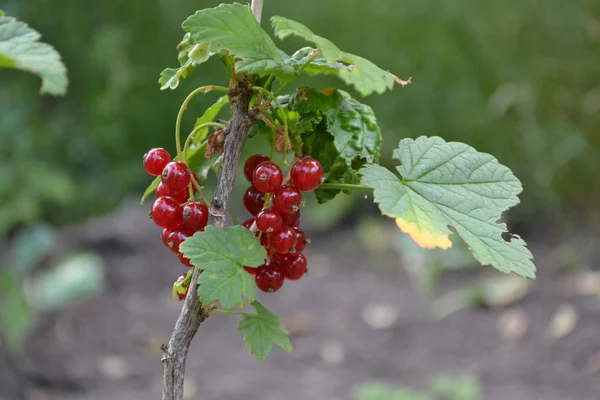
(275, 206)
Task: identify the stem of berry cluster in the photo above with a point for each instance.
(193, 312)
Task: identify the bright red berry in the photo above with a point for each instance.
(265, 239)
(254, 200)
(182, 296)
(300, 241)
(185, 261)
(155, 160)
(268, 221)
(293, 267)
(176, 237)
(269, 278)
(251, 271)
(306, 174)
(251, 164)
(176, 175)
(166, 212)
(181, 195)
(164, 235)
(195, 216)
(287, 199)
(291, 220)
(248, 223)
(267, 177)
(283, 240)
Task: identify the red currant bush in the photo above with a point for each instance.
(300, 241)
(251, 164)
(267, 177)
(254, 200)
(287, 199)
(268, 221)
(176, 237)
(195, 216)
(176, 175)
(291, 220)
(166, 212)
(293, 267)
(283, 240)
(155, 160)
(269, 278)
(306, 174)
(181, 195)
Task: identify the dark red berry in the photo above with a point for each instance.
(166, 212)
(287, 199)
(300, 241)
(306, 174)
(164, 235)
(185, 261)
(181, 195)
(176, 237)
(268, 221)
(291, 220)
(265, 239)
(176, 175)
(251, 271)
(248, 223)
(267, 177)
(283, 240)
(195, 216)
(293, 267)
(182, 296)
(269, 278)
(251, 164)
(254, 200)
(155, 160)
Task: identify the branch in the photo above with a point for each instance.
(257, 6)
(193, 312)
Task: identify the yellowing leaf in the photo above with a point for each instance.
(451, 184)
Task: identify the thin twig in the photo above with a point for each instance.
(257, 6)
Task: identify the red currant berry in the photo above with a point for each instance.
(185, 261)
(251, 164)
(166, 212)
(195, 216)
(181, 195)
(265, 239)
(269, 278)
(291, 220)
(287, 199)
(251, 271)
(283, 240)
(300, 241)
(293, 267)
(176, 237)
(268, 221)
(176, 175)
(306, 174)
(254, 200)
(267, 177)
(155, 160)
(248, 223)
(182, 296)
(164, 235)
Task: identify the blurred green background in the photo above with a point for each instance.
(519, 80)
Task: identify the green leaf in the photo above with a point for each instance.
(233, 28)
(362, 74)
(451, 184)
(78, 277)
(20, 48)
(16, 314)
(169, 78)
(381, 391)
(465, 387)
(262, 330)
(221, 254)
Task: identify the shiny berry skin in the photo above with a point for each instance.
(195, 216)
(269, 278)
(254, 200)
(181, 195)
(306, 174)
(265, 239)
(184, 295)
(176, 237)
(185, 261)
(300, 241)
(248, 223)
(291, 220)
(155, 160)
(287, 199)
(176, 175)
(164, 236)
(267, 177)
(268, 221)
(251, 271)
(293, 267)
(166, 212)
(251, 164)
(283, 240)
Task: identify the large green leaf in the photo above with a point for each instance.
(221, 254)
(262, 330)
(362, 74)
(451, 184)
(20, 48)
